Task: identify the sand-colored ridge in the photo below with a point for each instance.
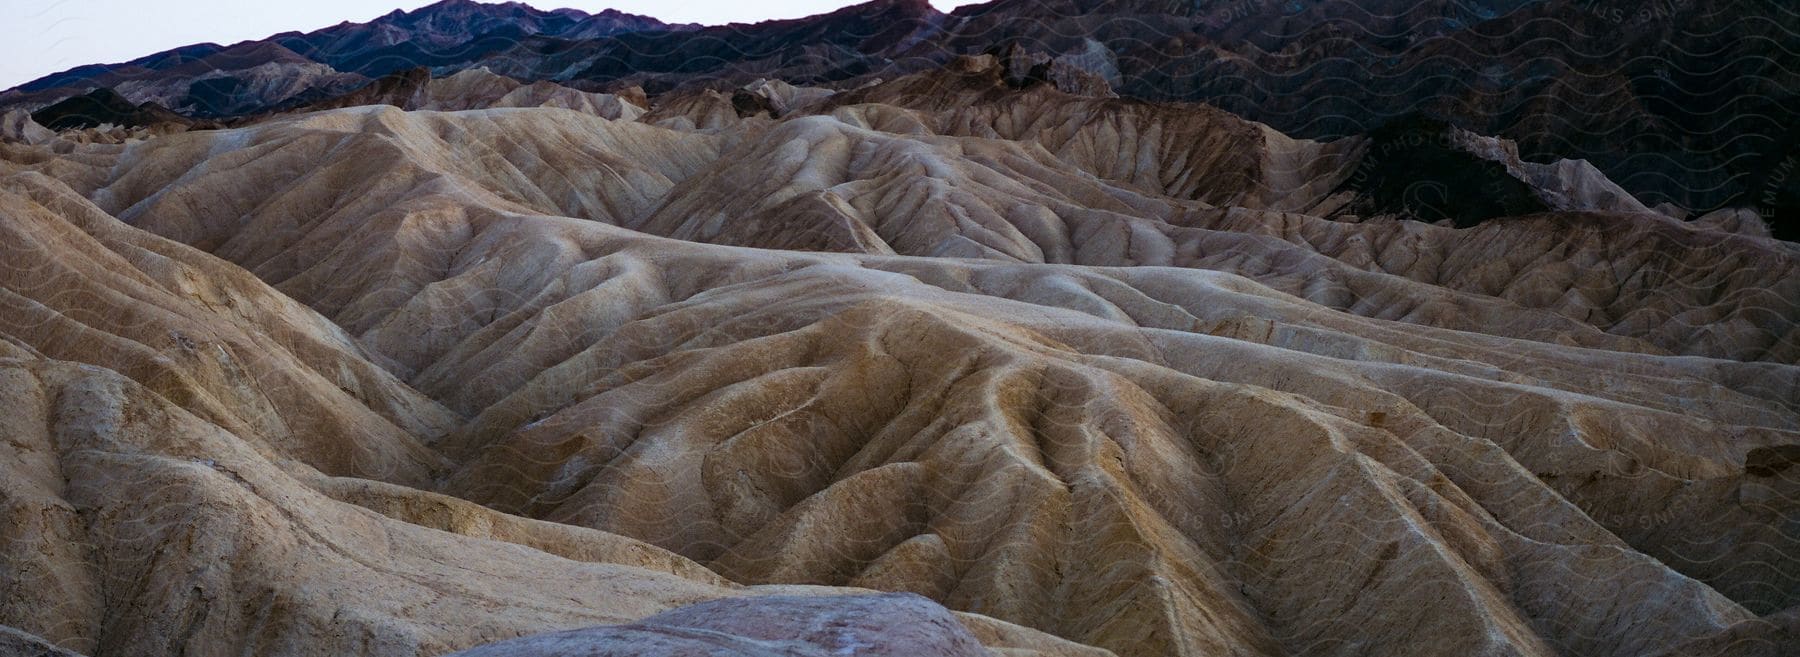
(393, 382)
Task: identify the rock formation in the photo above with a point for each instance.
(893, 625)
(1032, 385)
(974, 360)
(17, 126)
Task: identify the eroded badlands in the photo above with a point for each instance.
(1098, 375)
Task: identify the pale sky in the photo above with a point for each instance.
(40, 37)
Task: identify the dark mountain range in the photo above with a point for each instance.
(449, 33)
(209, 80)
(1679, 101)
(102, 106)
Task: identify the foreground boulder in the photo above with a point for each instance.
(789, 626)
(19, 643)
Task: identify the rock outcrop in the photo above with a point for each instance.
(1428, 170)
(17, 126)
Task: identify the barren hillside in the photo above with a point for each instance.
(1096, 375)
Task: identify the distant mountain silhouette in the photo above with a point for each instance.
(1679, 101)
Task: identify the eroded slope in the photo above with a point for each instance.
(1030, 383)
